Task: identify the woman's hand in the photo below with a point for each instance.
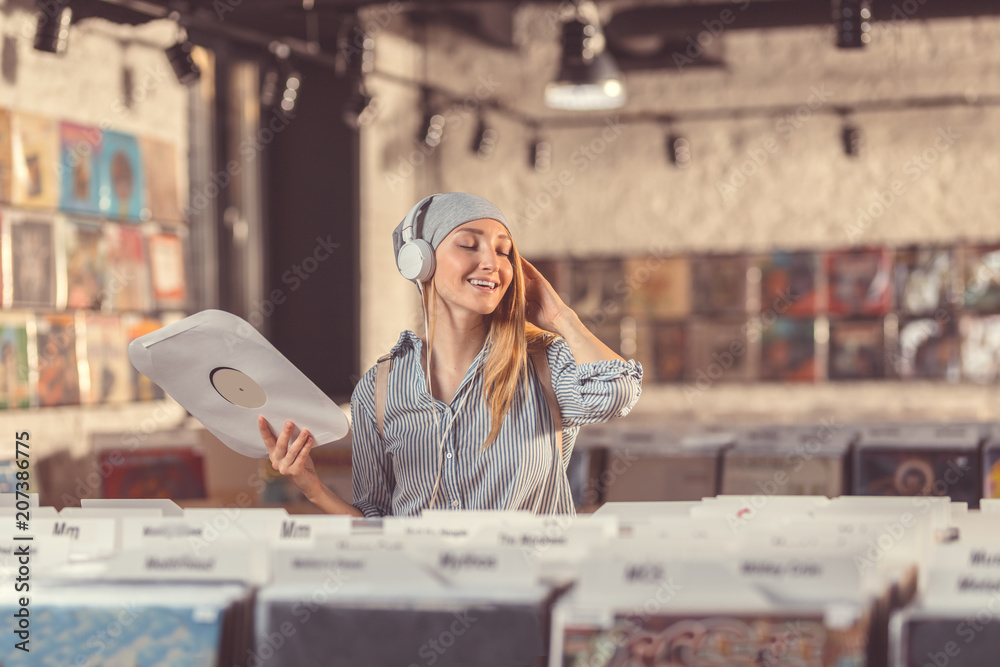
(291, 459)
(544, 307)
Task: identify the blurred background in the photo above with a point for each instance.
(782, 208)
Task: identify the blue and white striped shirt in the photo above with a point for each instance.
(397, 475)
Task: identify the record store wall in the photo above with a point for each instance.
(83, 90)
(769, 172)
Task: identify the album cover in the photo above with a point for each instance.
(593, 293)
(159, 161)
(86, 264)
(720, 285)
(176, 473)
(788, 350)
(79, 150)
(166, 265)
(980, 347)
(919, 461)
(664, 346)
(981, 278)
(788, 283)
(127, 279)
(33, 261)
(121, 181)
(110, 373)
(664, 468)
(654, 640)
(857, 350)
(15, 378)
(657, 288)
(928, 348)
(143, 389)
(718, 351)
(859, 281)
(35, 145)
(991, 469)
(6, 158)
(58, 372)
(926, 279)
(926, 638)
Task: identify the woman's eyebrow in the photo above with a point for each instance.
(482, 233)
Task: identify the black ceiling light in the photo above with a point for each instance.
(484, 142)
(852, 20)
(540, 155)
(185, 68)
(360, 108)
(678, 151)
(588, 76)
(853, 140)
(52, 30)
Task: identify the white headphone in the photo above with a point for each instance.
(415, 259)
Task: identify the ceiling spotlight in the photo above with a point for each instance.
(359, 60)
(184, 66)
(485, 140)
(360, 109)
(588, 76)
(540, 156)
(853, 140)
(292, 79)
(52, 31)
(433, 131)
(679, 151)
(852, 20)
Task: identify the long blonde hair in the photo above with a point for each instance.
(510, 340)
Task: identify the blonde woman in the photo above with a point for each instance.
(462, 418)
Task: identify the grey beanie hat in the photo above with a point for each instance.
(444, 213)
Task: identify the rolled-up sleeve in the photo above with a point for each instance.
(595, 391)
(371, 466)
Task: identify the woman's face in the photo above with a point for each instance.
(476, 252)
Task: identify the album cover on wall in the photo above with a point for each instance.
(143, 389)
(857, 349)
(788, 350)
(6, 158)
(919, 461)
(127, 280)
(926, 279)
(554, 270)
(927, 348)
(991, 469)
(110, 372)
(177, 473)
(859, 281)
(980, 347)
(718, 351)
(166, 266)
(658, 287)
(121, 181)
(79, 150)
(592, 289)
(86, 264)
(981, 278)
(58, 371)
(159, 161)
(33, 260)
(788, 283)
(15, 378)
(35, 142)
(662, 350)
(720, 285)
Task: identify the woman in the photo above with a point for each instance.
(464, 422)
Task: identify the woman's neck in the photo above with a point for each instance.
(457, 341)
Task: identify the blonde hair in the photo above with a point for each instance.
(510, 339)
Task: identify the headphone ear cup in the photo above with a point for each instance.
(416, 260)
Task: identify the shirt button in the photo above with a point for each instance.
(454, 503)
(448, 455)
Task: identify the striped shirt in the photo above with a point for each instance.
(521, 470)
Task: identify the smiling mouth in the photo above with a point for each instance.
(485, 285)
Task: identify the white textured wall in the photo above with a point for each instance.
(624, 198)
(84, 86)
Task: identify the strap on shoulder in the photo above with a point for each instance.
(540, 360)
(381, 385)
